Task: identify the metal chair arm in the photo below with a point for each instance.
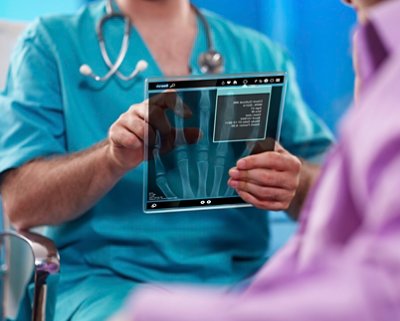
(46, 271)
(43, 249)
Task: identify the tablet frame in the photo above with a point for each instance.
(168, 81)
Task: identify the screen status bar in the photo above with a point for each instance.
(220, 82)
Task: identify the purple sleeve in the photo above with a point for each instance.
(330, 294)
(358, 279)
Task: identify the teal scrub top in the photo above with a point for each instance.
(49, 108)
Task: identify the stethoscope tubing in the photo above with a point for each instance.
(211, 60)
(114, 67)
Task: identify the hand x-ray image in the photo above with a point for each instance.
(198, 129)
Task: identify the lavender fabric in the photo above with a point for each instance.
(344, 262)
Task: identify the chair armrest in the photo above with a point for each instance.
(46, 272)
(43, 249)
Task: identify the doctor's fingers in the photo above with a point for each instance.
(170, 100)
(266, 203)
(154, 115)
(265, 177)
(276, 160)
(268, 198)
(262, 192)
(131, 132)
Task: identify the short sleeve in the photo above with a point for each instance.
(31, 122)
(303, 133)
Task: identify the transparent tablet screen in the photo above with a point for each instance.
(199, 128)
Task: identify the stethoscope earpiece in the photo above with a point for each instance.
(210, 62)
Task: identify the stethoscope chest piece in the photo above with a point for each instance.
(211, 62)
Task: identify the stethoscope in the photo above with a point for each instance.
(210, 61)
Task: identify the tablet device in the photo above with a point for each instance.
(199, 127)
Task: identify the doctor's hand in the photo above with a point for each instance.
(128, 135)
(268, 180)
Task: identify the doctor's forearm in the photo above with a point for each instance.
(52, 191)
(308, 175)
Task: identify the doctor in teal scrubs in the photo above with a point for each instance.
(71, 151)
